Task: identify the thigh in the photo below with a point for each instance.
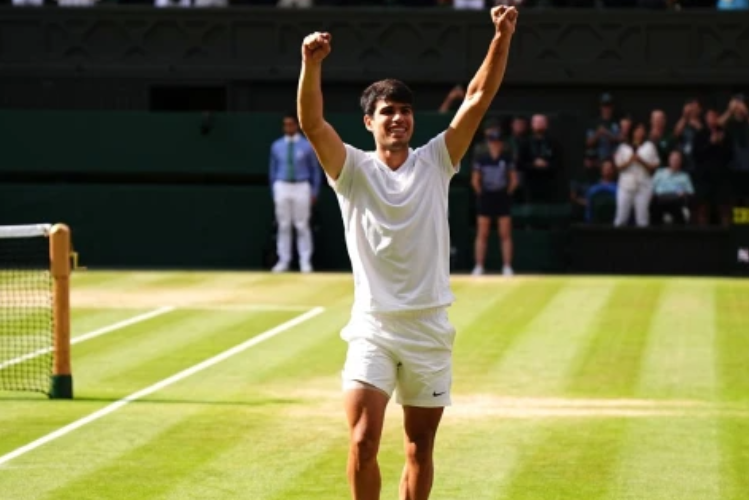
(424, 352)
(365, 413)
(301, 200)
(368, 360)
(282, 202)
(483, 224)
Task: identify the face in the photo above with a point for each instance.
(658, 120)
(539, 124)
(607, 170)
(495, 147)
(391, 124)
(639, 133)
(289, 126)
(519, 126)
(607, 111)
(674, 160)
(711, 118)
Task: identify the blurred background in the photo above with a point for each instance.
(147, 126)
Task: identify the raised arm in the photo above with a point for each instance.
(325, 141)
(483, 87)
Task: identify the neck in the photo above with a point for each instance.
(393, 159)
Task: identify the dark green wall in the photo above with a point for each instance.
(148, 190)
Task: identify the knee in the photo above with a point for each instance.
(284, 225)
(364, 447)
(419, 449)
(300, 225)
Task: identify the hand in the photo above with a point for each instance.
(504, 19)
(456, 93)
(540, 163)
(687, 112)
(316, 47)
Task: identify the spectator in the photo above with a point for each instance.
(712, 177)
(636, 159)
(491, 127)
(494, 179)
(736, 122)
(295, 180)
(585, 179)
(453, 99)
(602, 195)
(686, 130)
(303, 4)
(672, 190)
(517, 146)
(662, 140)
(603, 136)
(540, 162)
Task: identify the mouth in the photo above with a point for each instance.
(397, 131)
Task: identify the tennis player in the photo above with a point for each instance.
(393, 203)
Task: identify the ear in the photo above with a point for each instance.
(368, 122)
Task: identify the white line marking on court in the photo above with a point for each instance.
(161, 385)
(90, 335)
(246, 307)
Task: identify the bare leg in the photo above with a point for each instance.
(505, 237)
(482, 236)
(365, 411)
(420, 431)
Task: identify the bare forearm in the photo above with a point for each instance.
(309, 98)
(486, 82)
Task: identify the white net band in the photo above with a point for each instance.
(25, 231)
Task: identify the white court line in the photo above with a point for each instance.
(90, 335)
(161, 385)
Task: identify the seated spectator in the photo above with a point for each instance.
(672, 191)
(635, 159)
(600, 199)
(540, 159)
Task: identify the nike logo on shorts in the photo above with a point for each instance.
(437, 394)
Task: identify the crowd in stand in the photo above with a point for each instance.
(652, 173)
(456, 4)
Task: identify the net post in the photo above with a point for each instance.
(61, 386)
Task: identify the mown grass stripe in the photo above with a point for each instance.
(610, 364)
(732, 345)
(683, 449)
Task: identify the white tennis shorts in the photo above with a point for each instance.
(409, 353)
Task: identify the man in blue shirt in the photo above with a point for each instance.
(295, 180)
(672, 190)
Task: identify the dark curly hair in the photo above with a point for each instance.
(388, 89)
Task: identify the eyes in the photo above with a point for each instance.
(392, 110)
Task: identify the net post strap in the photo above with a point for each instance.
(25, 231)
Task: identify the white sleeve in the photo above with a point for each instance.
(354, 159)
(649, 153)
(436, 152)
(622, 155)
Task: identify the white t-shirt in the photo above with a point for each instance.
(396, 225)
(636, 174)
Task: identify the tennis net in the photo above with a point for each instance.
(28, 293)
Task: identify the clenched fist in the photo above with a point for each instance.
(504, 19)
(316, 47)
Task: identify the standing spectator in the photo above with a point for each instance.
(295, 180)
(453, 99)
(660, 138)
(517, 146)
(494, 179)
(686, 130)
(736, 122)
(636, 159)
(583, 181)
(540, 162)
(672, 191)
(604, 134)
(712, 179)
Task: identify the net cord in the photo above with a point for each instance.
(25, 231)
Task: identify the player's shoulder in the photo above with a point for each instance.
(434, 145)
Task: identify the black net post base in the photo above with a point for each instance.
(61, 387)
(26, 314)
